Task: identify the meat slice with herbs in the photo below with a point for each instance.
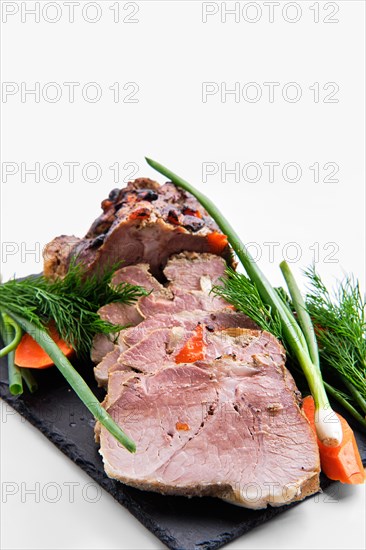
(143, 222)
(183, 302)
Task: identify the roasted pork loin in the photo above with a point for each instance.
(225, 423)
(228, 425)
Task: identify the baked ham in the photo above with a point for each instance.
(227, 424)
(144, 222)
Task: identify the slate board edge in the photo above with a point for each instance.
(72, 452)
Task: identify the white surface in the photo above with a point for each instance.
(169, 53)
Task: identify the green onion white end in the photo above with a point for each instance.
(328, 427)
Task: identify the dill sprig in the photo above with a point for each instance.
(71, 303)
(341, 330)
(239, 291)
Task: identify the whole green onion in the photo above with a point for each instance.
(328, 426)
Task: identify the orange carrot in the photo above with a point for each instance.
(217, 241)
(30, 354)
(140, 214)
(193, 349)
(342, 463)
(189, 212)
(182, 426)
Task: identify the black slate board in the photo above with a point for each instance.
(180, 523)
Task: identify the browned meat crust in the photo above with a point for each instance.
(143, 222)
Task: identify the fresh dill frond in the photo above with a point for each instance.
(340, 325)
(240, 292)
(71, 303)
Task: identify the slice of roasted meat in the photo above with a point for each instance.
(228, 426)
(144, 222)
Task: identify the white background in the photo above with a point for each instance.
(169, 53)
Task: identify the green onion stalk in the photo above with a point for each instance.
(11, 334)
(16, 375)
(300, 337)
(77, 383)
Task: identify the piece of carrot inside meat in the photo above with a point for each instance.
(217, 242)
(189, 212)
(29, 354)
(342, 463)
(182, 426)
(193, 349)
